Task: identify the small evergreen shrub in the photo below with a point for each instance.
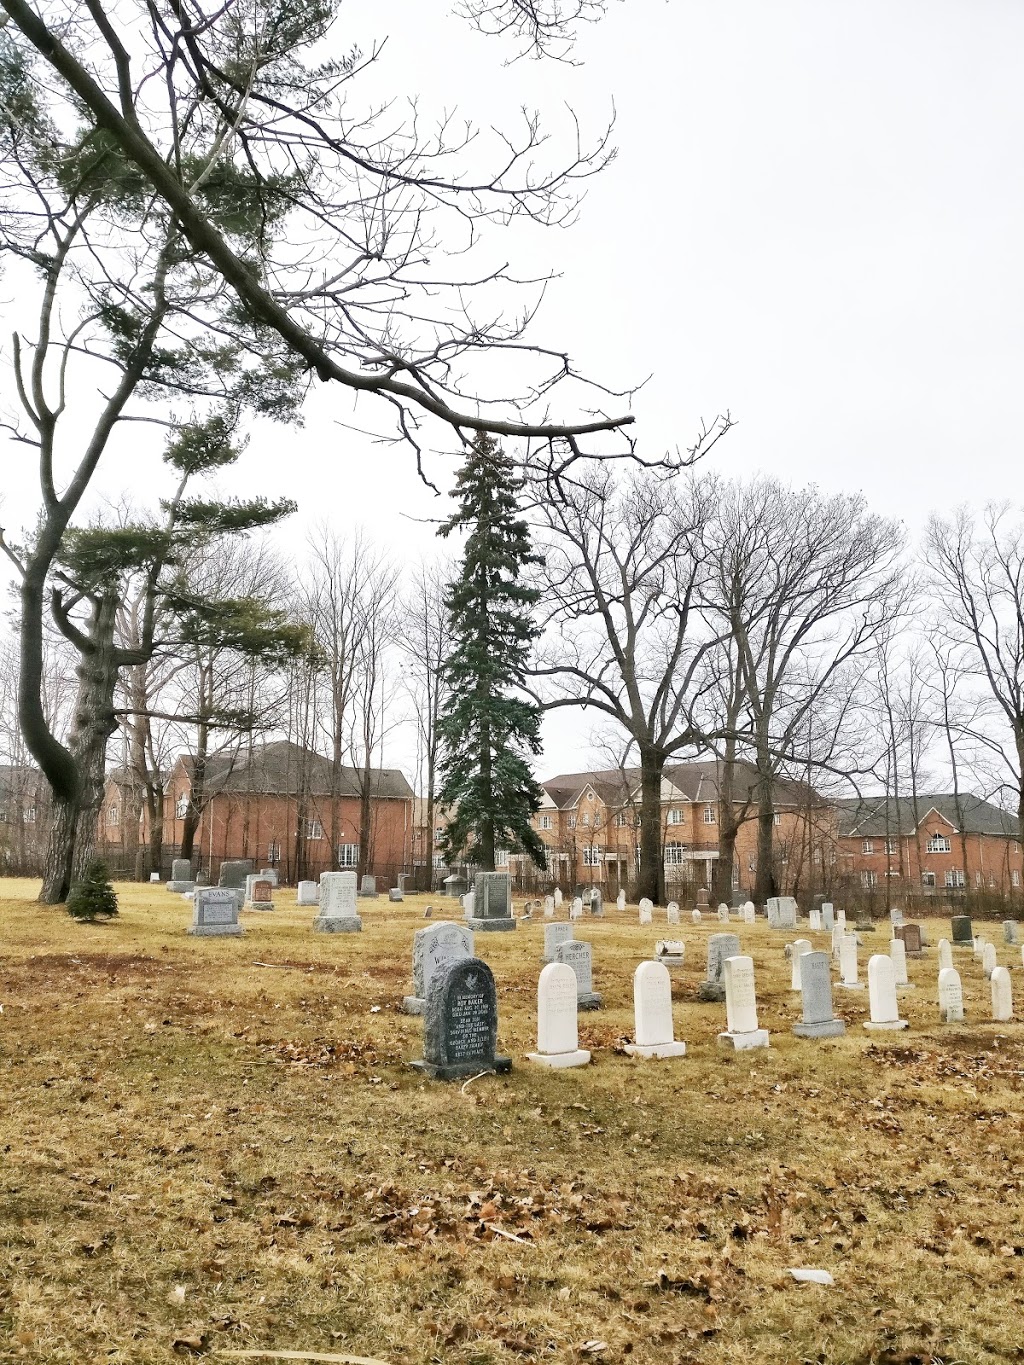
(93, 897)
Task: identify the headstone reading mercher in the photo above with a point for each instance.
(951, 996)
(215, 912)
(558, 1040)
(433, 948)
(492, 903)
(818, 1019)
(652, 1013)
(742, 1032)
(460, 1023)
(720, 947)
(579, 956)
(338, 904)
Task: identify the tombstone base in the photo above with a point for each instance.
(886, 1025)
(338, 924)
(560, 1059)
(589, 1000)
(490, 925)
(367, 895)
(743, 1042)
(212, 930)
(670, 960)
(182, 888)
(712, 992)
(261, 907)
(825, 1028)
(458, 1071)
(395, 895)
(905, 986)
(656, 1049)
(851, 985)
(412, 1004)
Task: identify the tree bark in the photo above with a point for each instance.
(728, 828)
(651, 878)
(765, 885)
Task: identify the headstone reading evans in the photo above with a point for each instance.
(215, 911)
(492, 902)
(460, 1023)
(338, 904)
(433, 948)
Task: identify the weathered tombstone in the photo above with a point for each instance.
(233, 872)
(749, 912)
(428, 912)
(395, 894)
(576, 908)
(898, 958)
(306, 894)
(774, 917)
(695, 916)
(467, 902)
(787, 912)
(895, 916)
(818, 1019)
(554, 934)
(742, 1031)
(646, 909)
(620, 900)
(885, 1013)
(841, 919)
(260, 893)
(549, 907)
(979, 946)
(181, 876)
(989, 961)
(799, 949)
(951, 996)
(338, 904)
(557, 897)
(579, 956)
(848, 963)
(723, 913)
(828, 916)
(671, 952)
(270, 874)
(703, 903)
(1002, 995)
(368, 887)
(963, 932)
(455, 885)
(1009, 931)
(945, 954)
(460, 1023)
(154, 876)
(492, 902)
(672, 913)
(433, 948)
(720, 947)
(558, 1039)
(215, 911)
(911, 936)
(814, 919)
(652, 1013)
(596, 904)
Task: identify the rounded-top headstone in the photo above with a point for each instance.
(460, 1022)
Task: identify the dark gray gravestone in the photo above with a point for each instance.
(720, 946)
(1009, 931)
(963, 931)
(492, 902)
(818, 1020)
(460, 1023)
(234, 871)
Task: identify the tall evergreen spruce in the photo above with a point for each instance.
(487, 727)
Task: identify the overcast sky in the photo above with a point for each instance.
(815, 220)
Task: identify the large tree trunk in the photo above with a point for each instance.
(728, 828)
(60, 846)
(765, 885)
(197, 793)
(651, 877)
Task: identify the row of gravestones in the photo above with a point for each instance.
(216, 909)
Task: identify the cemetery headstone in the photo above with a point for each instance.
(895, 916)
(455, 886)
(620, 900)
(492, 902)
(433, 948)
(557, 897)
(467, 902)
(1009, 931)
(460, 1023)
(723, 913)
(742, 1031)
(260, 893)
(799, 949)
(652, 1013)
(672, 913)
(1002, 995)
(945, 954)
(181, 876)
(774, 916)
(818, 1019)
(720, 947)
(368, 887)
(828, 916)
(885, 1013)
(233, 872)
(549, 907)
(215, 911)
(951, 996)
(841, 919)
(979, 946)
(576, 908)
(989, 962)
(596, 905)
(703, 903)
(814, 919)
(337, 904)
(579, 956)
(395, 894)
(898, 957)
(749, 912)
(848, 963)
(558, 1039)
(695, 916)
(554, 934)
(306, 893)
(270, 874)
(154, 876)
(671, 952)
(787, 912)
(646, 909)
(963, 932)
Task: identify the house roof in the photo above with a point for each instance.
(282, 768)
(881, 817)
(695, 781)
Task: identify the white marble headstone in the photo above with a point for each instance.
(652, 1009)
(557, 1025)
(951, 996)
(1002, 995)
(885, 1013)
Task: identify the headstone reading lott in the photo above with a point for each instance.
(818, 1019)
(652, 1013)
(951, 996)
(215, 912)
(742, 1032)
(433, 948)
(460, 1023)
(338, 904)
(492, 903)
(885, 1013)
(558, 1040)
(579, 956)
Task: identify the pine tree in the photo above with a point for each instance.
(93, 897)
(487, 726)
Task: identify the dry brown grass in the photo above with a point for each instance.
(194, 1149)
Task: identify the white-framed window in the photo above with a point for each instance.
(938, 843)
(891, 846)
(777, 819)
(977, 879)
(439, 861)
(546, 822)
(113, 815)
(501, 857)
(676, 816)
(710, 815)
(438, 834)
(181, 806)
(673, 855)
(868, 846)
(585, 819)
(30, 815)
(572, 822)
(314, 829)
(348, 855)
(622, 819)
(273, 853)
(592, 855)
(869, 879)
(927, 878)
(1015, 877)
(954, 876)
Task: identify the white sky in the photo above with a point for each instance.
(815, 220)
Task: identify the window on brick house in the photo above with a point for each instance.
(868, 880)
(348, 855)
(673, 855)
(777, 818)
(314, 829)
(546, 822)
(954, 876)
(938, 843)
(273, 853)
(181, 807)
(622, 819)
(927, 878)
(113, 815)
(868, 846)
(710, 815)
(591, 855)
(676, 816)
(891, 846)
(585, 819)
(572, 822)
(501, 857)
(1015, 877)
(438, 834)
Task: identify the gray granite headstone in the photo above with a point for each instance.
(368, 886)
(182, 880)
(432, 949)
(828, 917)
(234, 871)
(1009, 931)
(460, 1023)
(338, 904)
(395, 894)
(963, 931)
(774, 915)
(597, 904)
(215, 911)
(819, 1019)
(554, 934)
(579, 956)
(720, 946)
(307, 894)
(492, 902)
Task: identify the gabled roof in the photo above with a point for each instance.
(880, 817)
(282, 768)
(695, 781)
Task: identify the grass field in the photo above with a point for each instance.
(202, 1154)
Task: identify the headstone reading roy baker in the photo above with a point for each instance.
(460, 1023)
